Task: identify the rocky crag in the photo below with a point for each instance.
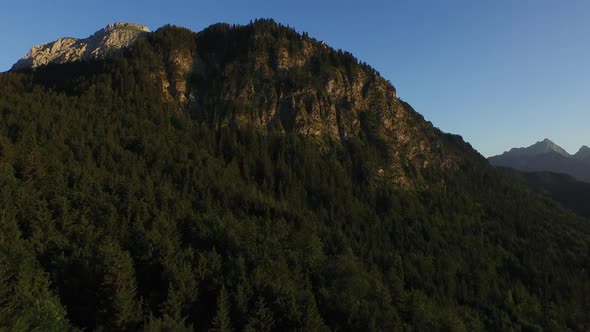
(105, 41)
(273, 78)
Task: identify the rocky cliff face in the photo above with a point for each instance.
(105, 41)
(273, 78)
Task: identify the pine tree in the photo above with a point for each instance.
(122, 310)
(262, 319)
(222, 322)
(26, 301)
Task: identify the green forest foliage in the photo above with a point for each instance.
(570, 193)
(119, 214)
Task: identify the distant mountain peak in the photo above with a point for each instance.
(545, 155)
(541, 147)
(583, 153)
(548, 145)
(105, 41)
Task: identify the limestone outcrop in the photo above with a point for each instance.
(103, 42)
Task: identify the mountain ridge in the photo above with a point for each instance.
(297, 84)
(583, 153)
(544, 146)
(546, 156)
(107, 40)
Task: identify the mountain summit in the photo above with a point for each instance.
(546, 146)
(583, 153)
(546, 156)
(103, 42)
(541, 147)
(270, 77)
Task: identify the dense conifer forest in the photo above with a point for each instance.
(120, 211)
(570, 193)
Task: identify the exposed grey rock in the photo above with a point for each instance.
(103, 42)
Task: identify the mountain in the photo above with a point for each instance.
(541, 147)
(583, 153)
(546, 156)
(296, 84)
(253, 178)
(104, 42)
(545, 146)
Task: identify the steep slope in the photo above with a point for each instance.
(102, 43)
(271, 77)
(545, 156)
(168, 188)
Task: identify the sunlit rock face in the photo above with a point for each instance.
(103, 42)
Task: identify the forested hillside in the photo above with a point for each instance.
(563, 188)
(138, 199)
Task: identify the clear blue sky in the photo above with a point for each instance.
(501, 73)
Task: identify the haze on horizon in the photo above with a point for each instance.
(501, 74)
